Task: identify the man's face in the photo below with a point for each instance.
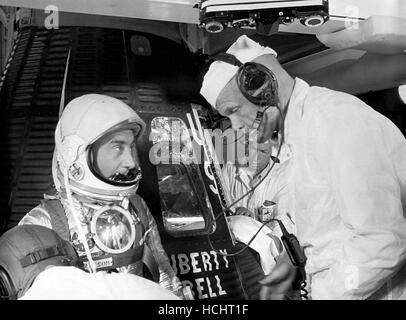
(242, 113)
(116, 153)
(262, 156)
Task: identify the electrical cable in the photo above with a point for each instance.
(223, 211)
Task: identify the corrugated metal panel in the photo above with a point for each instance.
(30, 101)
(98, 64)
(251, 271)
(35, 174)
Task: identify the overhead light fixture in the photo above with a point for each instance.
(402, 93)
(140, 45)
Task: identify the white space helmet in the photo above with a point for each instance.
(85, 121)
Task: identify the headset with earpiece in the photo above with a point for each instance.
(256, 82)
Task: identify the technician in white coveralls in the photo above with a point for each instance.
(346, 185)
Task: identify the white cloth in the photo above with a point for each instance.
(244, 228)
(220, 73)
(348, 178)
(70, 283)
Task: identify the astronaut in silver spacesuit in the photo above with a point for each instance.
(96, 174)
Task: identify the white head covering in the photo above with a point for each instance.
(220, 73)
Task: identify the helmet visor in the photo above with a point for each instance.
(113, 157)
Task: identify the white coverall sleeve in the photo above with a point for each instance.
(357, 160)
